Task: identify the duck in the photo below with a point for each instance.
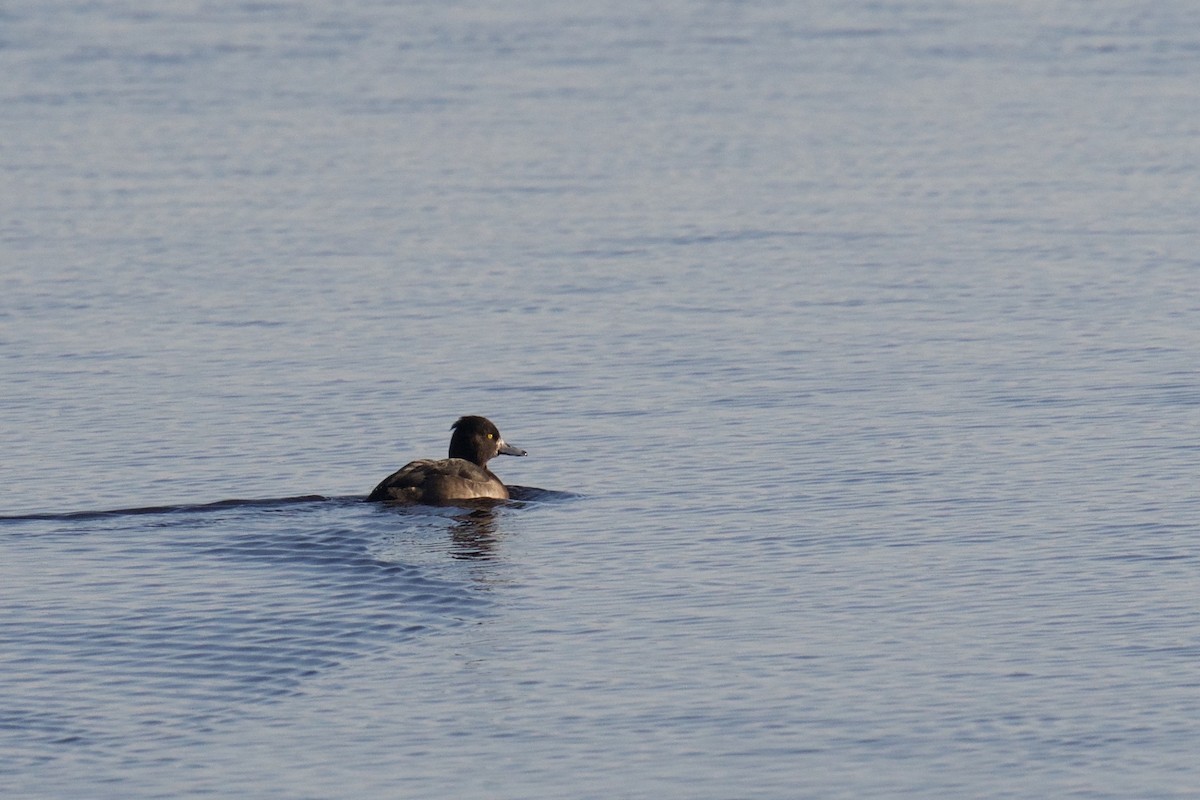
(463, 477)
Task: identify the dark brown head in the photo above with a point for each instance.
(477, 440)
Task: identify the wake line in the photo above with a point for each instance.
(173, 509)
(519, 495)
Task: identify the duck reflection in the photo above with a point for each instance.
(473, 536)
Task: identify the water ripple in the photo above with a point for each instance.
(187, 623)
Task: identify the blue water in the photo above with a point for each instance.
(853, 344)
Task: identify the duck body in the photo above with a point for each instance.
(463, 477)
(440, 482)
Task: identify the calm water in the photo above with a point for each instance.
(859, 338)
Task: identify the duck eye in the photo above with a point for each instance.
(490, 436)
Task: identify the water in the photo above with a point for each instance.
(854, 344)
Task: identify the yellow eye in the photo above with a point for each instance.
(490, 436)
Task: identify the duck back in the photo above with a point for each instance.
(440, 481)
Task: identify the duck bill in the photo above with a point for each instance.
(507, 449)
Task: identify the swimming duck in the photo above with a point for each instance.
(462, 476)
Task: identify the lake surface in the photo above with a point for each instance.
(854, 347)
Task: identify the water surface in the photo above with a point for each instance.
(858, 338)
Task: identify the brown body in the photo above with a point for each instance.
(462, 477)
